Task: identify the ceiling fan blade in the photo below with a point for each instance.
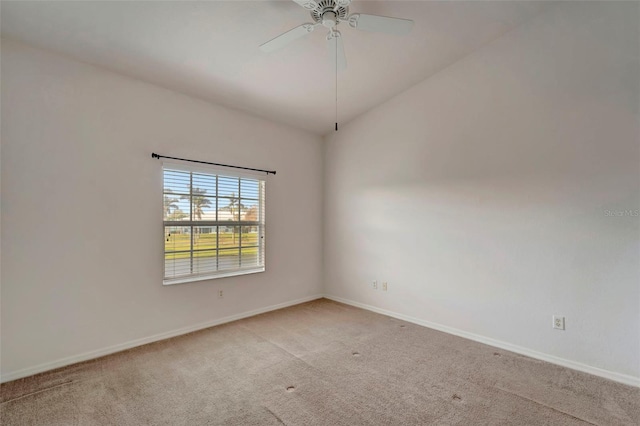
(382, 24)
(307, 4)
(334, 41)
(286, 38)
(343, 3)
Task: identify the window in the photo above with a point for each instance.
(214, 224)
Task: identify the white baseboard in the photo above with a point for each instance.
(611, 375)
(618, 377)
(30, 371)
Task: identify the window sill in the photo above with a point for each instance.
(213, 276)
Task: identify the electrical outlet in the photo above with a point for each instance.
(220, 294)
(374, 284)
(384, 286)
(558, 322)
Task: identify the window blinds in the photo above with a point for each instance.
(214, 224)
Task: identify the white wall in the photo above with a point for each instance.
(81, 209)
(481, 194)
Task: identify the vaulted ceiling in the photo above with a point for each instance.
(209, 49)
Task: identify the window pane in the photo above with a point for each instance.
(249, 210)
(229, 259)
(250, 257)
(204, 238)
(228, 209)
(204, 208)
(229, 236)
(204, 261)
(177, 238)
(205, 182)
(228, 186)
(177, 265)
(249, 236)
(249, 189)
(200, 204)
(176, 208)
(176, 182)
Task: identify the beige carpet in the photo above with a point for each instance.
(319, 363)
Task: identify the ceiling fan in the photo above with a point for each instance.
(329, 13)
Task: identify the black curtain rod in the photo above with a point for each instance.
(158, 156)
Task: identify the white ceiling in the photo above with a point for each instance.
(209, 49)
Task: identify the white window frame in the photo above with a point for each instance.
(191, 223)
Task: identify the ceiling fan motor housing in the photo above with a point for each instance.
(329, 12)
(329, 19)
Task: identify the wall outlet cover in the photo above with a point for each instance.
(558, 322)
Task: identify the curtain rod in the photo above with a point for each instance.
(158, 156)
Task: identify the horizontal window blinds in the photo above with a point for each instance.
(214, 224)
